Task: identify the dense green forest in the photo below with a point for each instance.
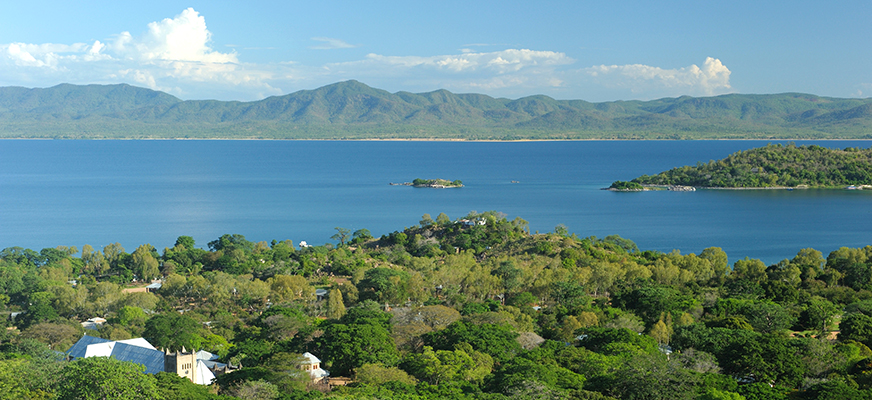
(775, 165)
(353, 110)
(445, 310)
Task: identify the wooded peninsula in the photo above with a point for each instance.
(772, 166)
(472, 308)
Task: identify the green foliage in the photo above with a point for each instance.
(130, 315)
(835, 390)
(626, 186)
(521, 372)
(453, 317)
(439, 366)
(650, 302)
(442, 219)
(39, 310)
(103, 378)
(335, 306)
(347, 347)
(498, 341)
(173, 331)
(856, 327)
(59, 336)
(763, 391)
(377, 374)
(145, 262)
(762, 316)
(715, 394)
(775, 166)
(818, 313)
(361, 236)
(367, 313)
(649, 376)
(341, 235)
(766, 358)
(28, 378)
(172, 386)
(384, 285)
(617, 341)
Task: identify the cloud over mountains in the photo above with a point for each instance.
(175, 55)
(712, 78)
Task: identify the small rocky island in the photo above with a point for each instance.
(431, 183)
(623, 186)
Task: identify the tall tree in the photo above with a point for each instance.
(341, 235)
(817, 313)
(144, 263)
(442, 219)
(185, 242)
(350, 346)
(172, 331)
(426, 220)
(718, 259)
(113, 253)
(335, 306)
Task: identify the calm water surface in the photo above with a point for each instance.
(133, 192)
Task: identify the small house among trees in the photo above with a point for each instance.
(312, 365)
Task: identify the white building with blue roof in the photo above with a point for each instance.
(198, 367)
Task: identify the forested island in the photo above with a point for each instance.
(623, 186)
(353, 110)
(775, 166)
(437, 183)
(431, 183)
(444, 309)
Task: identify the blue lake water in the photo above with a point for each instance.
(133, 192)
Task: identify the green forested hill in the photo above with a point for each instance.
(775, 166)
(442, 310)
(72, 101)
(353, 110)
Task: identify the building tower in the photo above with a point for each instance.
(180, 362)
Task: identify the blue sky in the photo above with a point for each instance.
(588, 50)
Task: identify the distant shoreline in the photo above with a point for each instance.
(447, 139)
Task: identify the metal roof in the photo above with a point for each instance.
(205, 355)
(310, 358)
(81, 347)
(153, 360)
(134, 350)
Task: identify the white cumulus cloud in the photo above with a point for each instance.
(176, 55)
(712, 78)
(46, 55)
(173, 54)
(183, 38)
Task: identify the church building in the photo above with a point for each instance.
(199, 367)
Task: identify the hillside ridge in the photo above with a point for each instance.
(353, 110)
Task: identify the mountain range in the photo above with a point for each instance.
(353, 110)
